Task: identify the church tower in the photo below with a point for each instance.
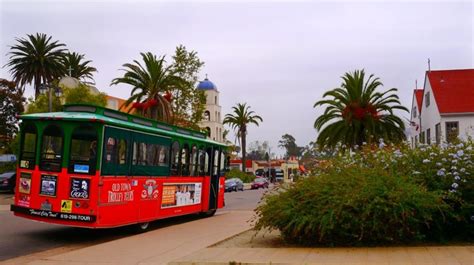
(212, 114)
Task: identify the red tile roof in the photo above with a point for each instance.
(248, 162)
(453, 90)
(419, 98)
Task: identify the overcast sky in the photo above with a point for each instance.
(279, 57)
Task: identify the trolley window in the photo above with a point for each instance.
(174, 158)
(52, 149)
(83, 154)
(215, 168)
(28, 147)
(185, 160)
(116, 152)
(194, 161)
(202, 162)
(150, 155)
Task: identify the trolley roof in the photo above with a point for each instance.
(91, 113)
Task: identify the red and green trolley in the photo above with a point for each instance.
(94, 167)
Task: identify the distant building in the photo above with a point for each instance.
(212, 114)
(117, 103)
(446, 109)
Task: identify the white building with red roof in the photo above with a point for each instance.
(415, 120)
(446, 109)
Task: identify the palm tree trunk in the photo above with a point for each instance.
(37, 86)
(244, 143)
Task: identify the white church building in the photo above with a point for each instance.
(444, 108)
(212, 119)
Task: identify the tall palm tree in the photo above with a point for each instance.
(151, 82)
(77, 67)
(357, 113)
(238, 121)
(36, 59)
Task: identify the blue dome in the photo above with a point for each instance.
(206, 85)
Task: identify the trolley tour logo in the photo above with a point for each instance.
(120, 192)
(150, 190)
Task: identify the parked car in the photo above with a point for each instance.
(8, 181)
(260, 183)
(234, 184)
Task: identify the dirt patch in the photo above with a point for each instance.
(253, 239)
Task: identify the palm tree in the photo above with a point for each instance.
(357, 113)
(78, 68)
(151, 84)
(238, 121)
(36, 59)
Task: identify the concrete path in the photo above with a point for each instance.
(462, 255)
(159, 246)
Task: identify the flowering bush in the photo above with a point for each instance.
(380, 194)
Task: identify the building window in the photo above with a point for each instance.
(422, 137)
(215, 99)
(414, 112)
(416, 140)
(427, 99)
(428, 136)
(207, 115)
(208, 131)
(438, 133)
(452, 131)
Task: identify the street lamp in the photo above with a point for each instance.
(49, 89)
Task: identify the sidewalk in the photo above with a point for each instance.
(158, 246)
(189, 243)
(333, 256)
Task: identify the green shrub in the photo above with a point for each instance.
(380, 194)
(236, 173)
(356, 206)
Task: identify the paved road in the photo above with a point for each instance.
(19, 237)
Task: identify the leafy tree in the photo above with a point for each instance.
(78, 67)
(188, 103)
(11, 105)
(36, 59)
(257, 150)
(238, 120)
(357, 113)
(80, 94)
(288, 142)
(150, 82)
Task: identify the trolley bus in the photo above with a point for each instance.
(94, 167)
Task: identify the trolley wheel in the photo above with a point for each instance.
(208, 213)
(142, 227)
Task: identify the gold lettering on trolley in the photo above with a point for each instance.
(121, 192)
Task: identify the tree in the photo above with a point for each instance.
(11, 105)
(257, 150)
(188, 103)
(36, 59)
(78, 68)
(238, 120)
(150, 82)
(357, 113)
(80, 94)
(288, 142)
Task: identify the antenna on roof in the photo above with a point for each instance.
(429, 65)
(206, 76)
(416, 83)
